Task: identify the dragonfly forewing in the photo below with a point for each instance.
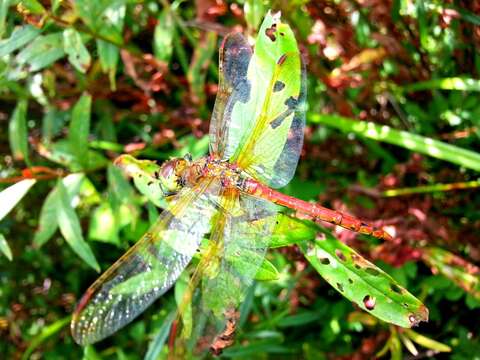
(149, 268)
(234, 57)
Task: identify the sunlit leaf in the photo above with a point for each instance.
(103, 225)
(17, 131)
(434, 148)
(427, 342)
(69, 225)
(267, 272)
(80, 128)
(5, 248)
(363, 283)
(10, 196)
(290, 230)
(163, 36)
(453, 83)
(20, 37)
(254, 11)
(78, 54)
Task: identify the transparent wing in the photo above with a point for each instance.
(149, 268)
(234, 56)
(236, 250)
(265, 135)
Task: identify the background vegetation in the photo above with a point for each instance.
(392, 137)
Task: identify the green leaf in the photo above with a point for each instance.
(47, 332)
(42, 52)
(79, 129)
(17, 132)
(48, 222)
(62, 153)
(422, 23)
(267, 272)
(103, 17)
(32, 6)
(453, 83)
(197, 71)
(163, 36)
(427, 342)
(434, 148)
(103, 225)
(156, 345)
(5, 248)
(19, 37)
(461, 272)
(78, 54)
(254, 11)
(289, 231)
(10, 196)
(363, 283)
(71, 230)
(302, 318)
(4, 5)
(109, 55)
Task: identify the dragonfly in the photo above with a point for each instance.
(228, 198)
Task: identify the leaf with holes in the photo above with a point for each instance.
(363, 283)
(78, 54)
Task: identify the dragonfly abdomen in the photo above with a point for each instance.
(316, 211)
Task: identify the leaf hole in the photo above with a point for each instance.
(340, 287)
(325, 261)
(340, 255)
(372, 271)
(369, 302)
(396, 288)
(270, 32)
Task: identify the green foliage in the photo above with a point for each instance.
(392, 112)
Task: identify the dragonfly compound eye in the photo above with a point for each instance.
(171, 175)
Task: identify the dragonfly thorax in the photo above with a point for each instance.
(177, 173)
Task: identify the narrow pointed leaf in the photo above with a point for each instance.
(17, 131)
(156, 345)
(363, 283)
(13, 194)
(70, 228)
(47, 332)
(5, 248)
(48, 221)
(79, 129)
(163, 36)
(427, 342)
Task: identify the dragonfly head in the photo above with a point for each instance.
(172, 175)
